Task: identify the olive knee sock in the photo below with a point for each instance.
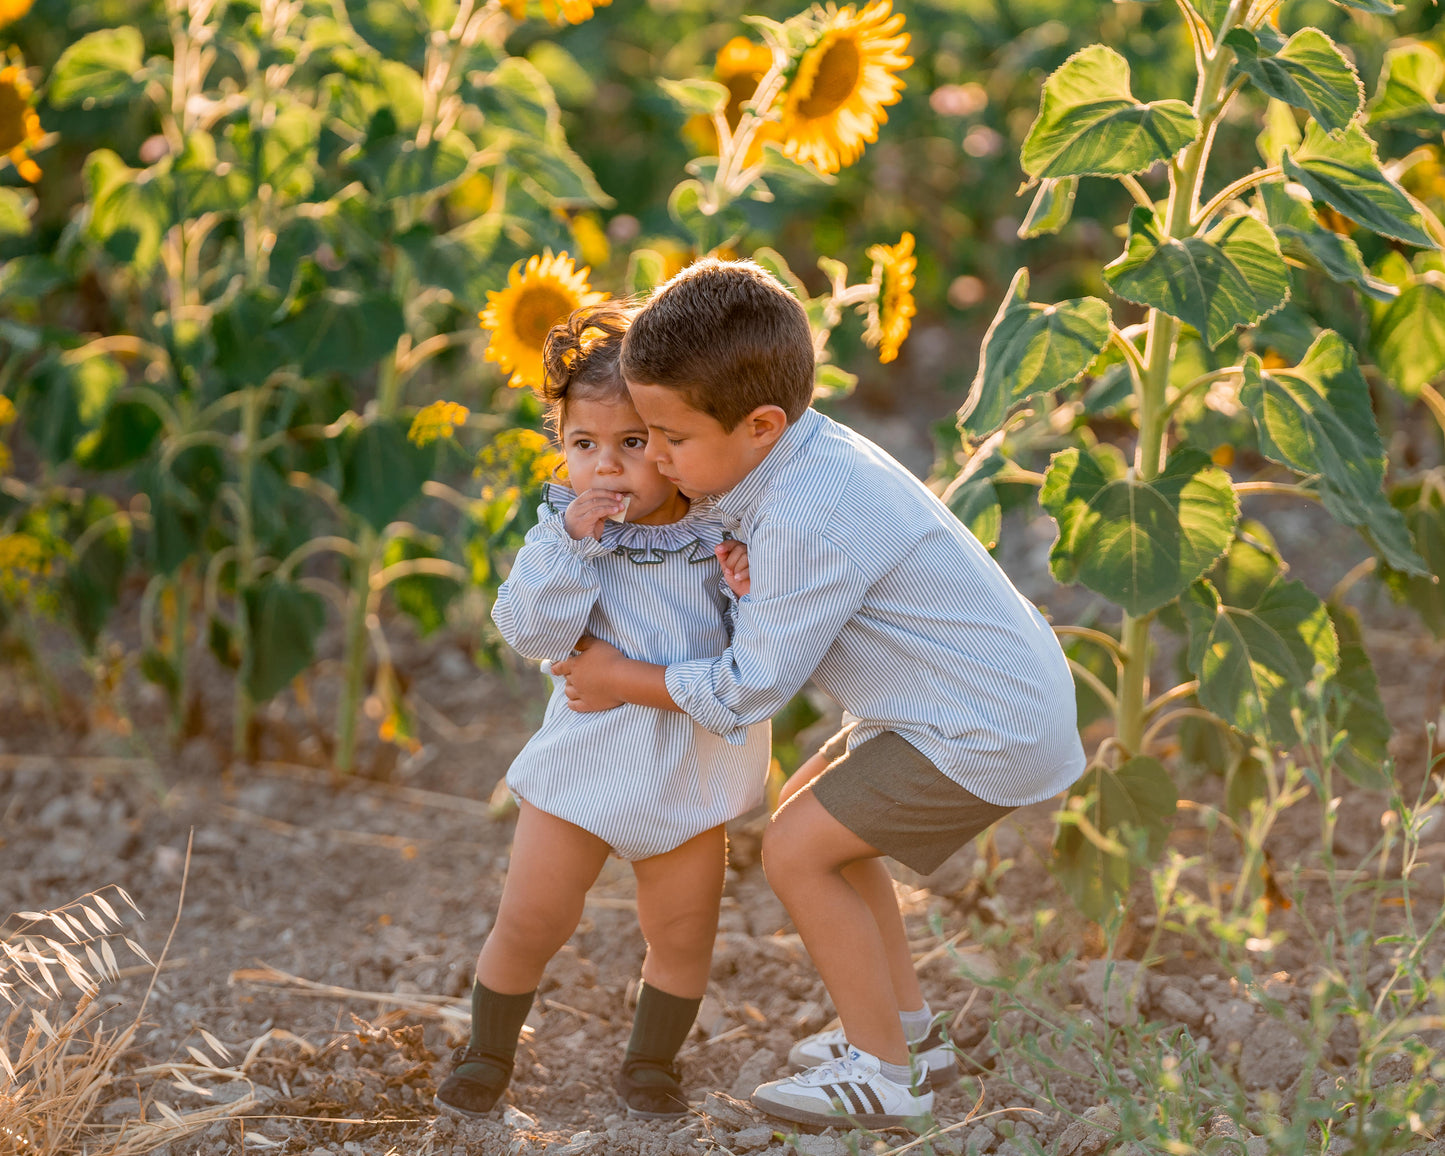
(660, 1025)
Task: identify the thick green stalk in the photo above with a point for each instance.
(245, 563)
(182, 613)
(354, 661)
(1152, 386)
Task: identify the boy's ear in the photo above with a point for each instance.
(766, 425)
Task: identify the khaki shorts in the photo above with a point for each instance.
(898, 802)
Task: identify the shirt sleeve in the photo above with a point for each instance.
(543, 606)
(805, 589)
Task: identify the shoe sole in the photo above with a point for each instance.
(462, 1113)
(639, 1114)
(876, 1121)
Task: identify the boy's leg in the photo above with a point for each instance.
(553, 864)
(873, 881)
(678, 894)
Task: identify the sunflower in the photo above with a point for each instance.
(438, 420)
(741, 64)
(891, 313)
(563, 12)
(538, 296)
(19, 125)
(834, 101)
(12, 10)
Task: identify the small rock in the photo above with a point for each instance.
(1272, 1057)
(712, 1020)
(1012, 1148)
(1091, 1135)
(730, 1112)
(1222, 1126)
(582, 1142)
(1392, 1069)
(1230, 1021)
(754, 1070)
(118, 1110)
(1259, 1146)
(1179, 1006)
(751, 1139)
(1112, 981)
(514, 1117)
(980, 1139)
(820, 1146)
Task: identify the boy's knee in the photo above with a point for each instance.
(784, 850)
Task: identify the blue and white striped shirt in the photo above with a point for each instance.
(865, 582)
(641, 779)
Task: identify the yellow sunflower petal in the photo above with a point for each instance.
(834, 102)
(20, 129)
(438, 420)
(538, 295)
(11, 10)
(891, 314)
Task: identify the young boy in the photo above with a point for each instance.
(960, 703)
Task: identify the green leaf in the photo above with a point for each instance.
(1316, 419)
(204, 184)
(1234, 275)
(1421, 502)
(1133, 805)
(646, 270)
(1280, 133)
(382, 471)
(93, 573)
(974, 500)
(284, 621)
(1309, 72)
(286, 162)
(1302, 236)
(1374, 7)
(1343, 171)
(1409, 88)
(65, 400)
(125, 435)
(340, 331)
(1409, 336)
(696, 97)
(100, 68)
(1052, 207)
(425, 597)
(831, 380)
(1254, 660)
(14, 213)
(129, 209)
(396, 166)
(463, 261)
(1089, 123)
(1138, 543)
(1031, 349)
(1352, 698)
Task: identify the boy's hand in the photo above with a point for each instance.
(589, 674)
(733, 556)
(589, 512)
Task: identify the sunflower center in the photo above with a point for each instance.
(12, 118)
(835, 80)
(538, 309)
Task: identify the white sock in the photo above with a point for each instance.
(916, 1023)
(898, 1073)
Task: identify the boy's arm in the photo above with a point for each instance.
(805, 589)
(543, 606)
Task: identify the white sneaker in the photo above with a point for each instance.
(851, 1086)
(931, 1052)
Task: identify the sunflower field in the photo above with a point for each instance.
(276, 275)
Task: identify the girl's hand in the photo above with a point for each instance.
(589, 674)
(734, 559)
(589, 512)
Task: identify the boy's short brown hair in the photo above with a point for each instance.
(729, 337)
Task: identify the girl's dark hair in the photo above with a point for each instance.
(582, 358)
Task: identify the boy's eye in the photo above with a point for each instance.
(674, 441)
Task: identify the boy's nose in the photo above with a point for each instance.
(654, 451)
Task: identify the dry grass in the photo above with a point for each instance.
(58, 1060)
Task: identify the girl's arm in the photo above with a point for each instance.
(543, 606)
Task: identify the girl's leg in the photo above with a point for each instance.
(871, 879)
(678, 894)
(553, 864)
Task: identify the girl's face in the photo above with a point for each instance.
(605, 444)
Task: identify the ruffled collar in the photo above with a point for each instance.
(697, 533)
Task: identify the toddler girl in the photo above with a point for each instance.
(621, 556)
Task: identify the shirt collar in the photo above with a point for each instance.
(744, 496)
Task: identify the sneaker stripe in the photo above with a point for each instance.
(871, 1096)
(837, 1050)
(848, 1095)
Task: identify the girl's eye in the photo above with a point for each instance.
(582, 444)
(635, 443)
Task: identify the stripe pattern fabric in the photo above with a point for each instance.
(642, 780)
(865, 582)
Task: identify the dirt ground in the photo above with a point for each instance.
(323, 918)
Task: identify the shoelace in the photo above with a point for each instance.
(833, 1071)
